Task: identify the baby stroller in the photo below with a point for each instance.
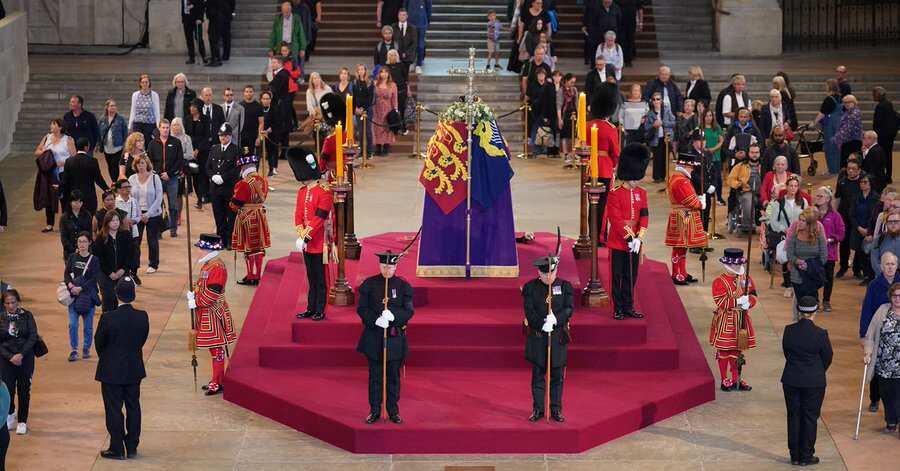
(806, 147)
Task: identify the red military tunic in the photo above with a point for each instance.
(726, 289)
(627, 213)
(328, 154)
(251, 226)
(607, 146)
(214, 325)
(684, 228)
(314, 207)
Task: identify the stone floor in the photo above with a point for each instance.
(183, 430)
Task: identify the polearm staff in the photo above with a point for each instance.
(192, 342)
(740, 324)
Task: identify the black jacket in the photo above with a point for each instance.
(19, 339)
(676, 100)
(223, 163)
(381, 51)
(592, 81)
(407, 44)
(700, 92)
(199, 132)
(85, 125)
(119, 341)
(252, 112)
(371, 303)
(189, 95)
(281, 98)
(534, 294)
(81, 173)
(885, 120)
(773, 151)
(214, 123)
(169, 159)
(875, 165)
(114, 254)
(807, 354)
(69, 227)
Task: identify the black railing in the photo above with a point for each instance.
(834, 24)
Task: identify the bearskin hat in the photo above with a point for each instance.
(303, 163)
(605, 101)
(633, 162)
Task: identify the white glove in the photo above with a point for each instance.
(548, 327)
(387, 314)
(217, 179)
(703, 202)
(744, 302)
(191, 300)
(635, 245)
(382, 322)
(711, 189)
(300, 244)
(551, 319)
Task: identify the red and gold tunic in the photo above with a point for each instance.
(726, 289)
(684, 228)
(607, 146)
(627, 213)
(251, 226)
(328, 154)
(214, 325)
(314, 207)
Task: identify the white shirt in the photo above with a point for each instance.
(287, 28)
(207, 111)
(727, 107)
(402, 29)
(690, 87)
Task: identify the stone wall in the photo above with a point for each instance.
(166, 32)
(86, 22)
(13, 74)
(753, 28)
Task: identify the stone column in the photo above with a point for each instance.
(753, 28)
(13, 74)
(166, 33)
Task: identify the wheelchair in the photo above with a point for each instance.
(736, 214)
(807, 148)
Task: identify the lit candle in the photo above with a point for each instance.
(339, 150)
(595, 164)
(349, 119)
(582, 118)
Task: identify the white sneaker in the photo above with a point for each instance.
(151, 271)
(10, 421)
(22, 429)
(274, 171)
(418, 70)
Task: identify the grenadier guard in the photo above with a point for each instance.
(732, 330)
(214, 327)
(684, 228)
(312, 218)
(603, 106)
(251, 226)
(333, 110)
(385, 307)
(628, 217)
(539, 324)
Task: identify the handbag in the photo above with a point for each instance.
(781, 252)
(63, 295)
(543, 137)
(40, 347)
(409, 114)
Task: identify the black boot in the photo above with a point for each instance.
(536, 415)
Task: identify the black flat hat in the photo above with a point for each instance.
(388, 258)
(547, 264)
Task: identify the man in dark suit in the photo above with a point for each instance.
(874, 161)
(213, 113)
(885, 122)
(597, 77)
(223, 175)
(192, 23)
(219, 13)
(119, 341)
(807, 354)
(281, 98)
(406, 37)
(81, 173)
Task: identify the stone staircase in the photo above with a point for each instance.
(682, 27)
(569, 40)
(456, 26)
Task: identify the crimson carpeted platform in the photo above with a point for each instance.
(467, 384)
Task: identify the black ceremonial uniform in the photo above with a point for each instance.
(534, 294)
(371, 342)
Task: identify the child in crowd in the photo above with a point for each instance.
(493, 40)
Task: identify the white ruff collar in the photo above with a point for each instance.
(208, 257)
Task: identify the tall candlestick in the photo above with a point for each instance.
(595, 164)
(349, 119)
(582, 118)
(339, 150)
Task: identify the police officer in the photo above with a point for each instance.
(385, 307)
(540, 324)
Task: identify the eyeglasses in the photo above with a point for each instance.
(893, 222)
(895, 295)
(125, 187)
(656, 99)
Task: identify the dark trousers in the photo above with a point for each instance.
(628, 34)
(717, 179)
(890, 394)
(803, 408)
(144, 128)
(112, 166)
(153, 226)
(123, 430)
(200, 180)
(272, 151)
(315, 276)
(829, 281)
(659, 161)
(215, 30)
(887, 143)
(393, 387)
(18, 380)
(402, 96)
(624, 277)
(224, 216)
(539, 384)
(874, 392)
(4, 445)
(226, 38)
(50, 214)
(844, 249)
(107, 293)
(193, 31)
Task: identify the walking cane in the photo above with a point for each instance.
(192, 341)
(862, 391)
(384, 358)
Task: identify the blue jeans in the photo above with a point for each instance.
(88, 328)
(420, 49)
(173, 203)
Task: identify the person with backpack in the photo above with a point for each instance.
(829, 119)
(780, 214)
